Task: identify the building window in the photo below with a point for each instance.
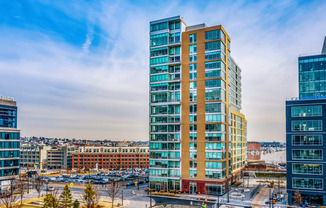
(193, 173)
(193, 95)
(160, 39)
(213, 46)
(215, 189)
(313, 125)
(215, 146)
(307, 183)
(312, 169)
(214, 83)
(193, 85)
(215, 137)
(214, 165)
(193, 146)
(193, 155)
(159, 51)
(159, 26)
(307, 154)
(214, 65)
(214, 94)
(307, 140)
(193, 49)
(193, 137)
(192, 118)
(193, 58)
(193, 71)
(214, 108)
(214, 55)
(214, 35)
(214, 155)
(306, 111)
(192, 38)
(215, 174)
(192, 127)
(214, 127)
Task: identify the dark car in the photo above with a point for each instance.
(130, 184)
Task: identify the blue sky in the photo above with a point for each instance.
(79, 69)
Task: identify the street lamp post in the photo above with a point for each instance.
(150, 197)
(269, 198)
(122, 197)
(47, 186)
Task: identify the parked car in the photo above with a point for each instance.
(50, 188)
(130, 184)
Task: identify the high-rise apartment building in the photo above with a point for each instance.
(197, 133)
(305, 132)
(9, 140)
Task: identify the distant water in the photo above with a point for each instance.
(274, 157)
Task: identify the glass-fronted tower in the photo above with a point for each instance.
(197, 133)
(9, 140)
(305, 132)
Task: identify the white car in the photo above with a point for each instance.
(50, 188)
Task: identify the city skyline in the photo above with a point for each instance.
(75, 68)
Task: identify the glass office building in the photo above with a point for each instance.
(9, 140)
(197, 133)
(305, 132)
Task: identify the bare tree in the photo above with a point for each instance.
(21, 186)
(297, 198)
(9, 200)
(38, 184)
(112, 191)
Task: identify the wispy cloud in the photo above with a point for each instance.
(80, 68)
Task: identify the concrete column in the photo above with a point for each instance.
(290, 199)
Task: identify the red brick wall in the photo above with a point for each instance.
(253, 146)
(253, 157)
(110, 160)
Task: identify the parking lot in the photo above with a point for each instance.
(127, 177)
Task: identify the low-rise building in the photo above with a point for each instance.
(33, 156)
(253, 151)
(90, 157)
(60, 158)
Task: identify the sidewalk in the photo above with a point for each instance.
(262, 197)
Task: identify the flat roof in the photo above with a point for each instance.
(168, 19)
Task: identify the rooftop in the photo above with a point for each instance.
(168, 19)
(196, 27)
(6, 100)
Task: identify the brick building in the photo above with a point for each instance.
(110, 157)
(253, 151)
